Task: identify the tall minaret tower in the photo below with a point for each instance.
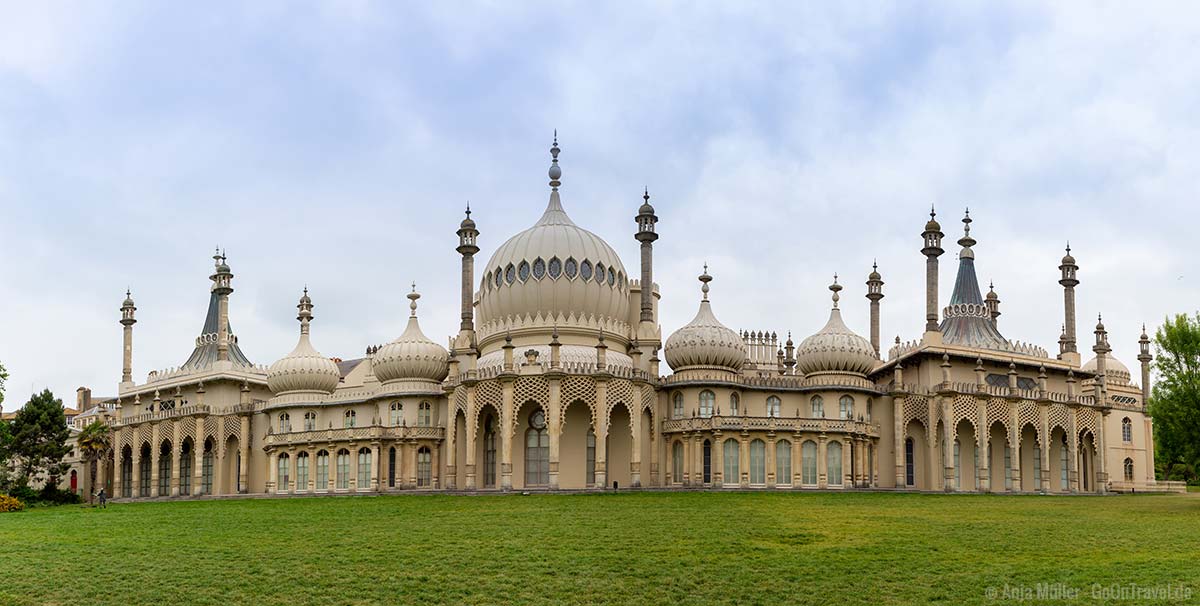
(467, 247)
(222, 285)
(646, 235)
(1101, 350)
(1069, 281)
(1144, 357)
(932, 250)
(992, 300)
(874, 294)
(127, 321)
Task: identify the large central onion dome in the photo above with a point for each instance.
(705, 343)
(305, 370)
(835, 348)
(412, 356)
(555, 270)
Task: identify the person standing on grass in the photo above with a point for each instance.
(103, 498)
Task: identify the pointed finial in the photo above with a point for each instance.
(705, 279)
(932, 212)
(646, 193)
(555, 171)
(468, 209)
(835, 287)
(412, 298)
(1068, 247)
(874, 264)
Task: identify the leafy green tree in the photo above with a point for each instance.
(3, 378)
(39, 439)
(94, 442)
(5, 448)
(1175, 403)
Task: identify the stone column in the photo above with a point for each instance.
(135, 482)
(769, 461)
(411, 460)
(118, 470)
(687, 460)
(744, 460)
(1102, 454)
(822, 468)
(601, 434)
(718, 455)
(244, 450)
(377, 463)
(635, 457)
(1014, 442)
(507, 428)
(898, 443)
(198, 458)
(155, 449)
(554, 427)
(948, 480)
(472, 426)
(797, 443)
(273, 472)
(176, 453)
(847, 476)
(1044, 449)
(435, 470)
(1073, 476)
(452, 438)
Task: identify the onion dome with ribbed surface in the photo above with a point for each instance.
(835, 348)
(554, 270)
(705, 343)
(304, 370)
(412, 356)
(1114, 369)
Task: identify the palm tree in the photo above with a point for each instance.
(94, 442)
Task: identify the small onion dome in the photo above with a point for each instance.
(129, 300)
(645, 208)
(835, 348)
(705, 343)
(1067, 258)
(468, 222)
(412, 355)
(874, 275)
(992, 296)
(1116, 372)
(304, 370)
(933, 225)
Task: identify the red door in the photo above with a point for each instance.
(74, 481)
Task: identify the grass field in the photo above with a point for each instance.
(651, 547)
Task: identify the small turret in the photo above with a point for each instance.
(932, 237)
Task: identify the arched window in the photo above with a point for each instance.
(302, 472)
(591, 458)
(310, 421)
(424, 467)
(957, 465)
(425, 414)
(1037, 466)
(677, 407)
(537, 450)
(343, 469)
(734, 404)
(600, 273)
(499, 277)
(144, 471)
(555, 268)
(322, 470)
(833, 463)
(395, 413)
(677, 463)
(206, 468)
(707, 401)
(707, 462)
(870, 406)
(539, 268)
(186, 456)
(523, 271)
(783, 463)
(1128, 470)
(808, 463)
(570, 268)
(392, 467)
(285, 423)
(732, 456)
(773, 407)
(1062, 464)
(1126, 430)
(284, 475)
(127, 474)
(910, 471)
(349, 419)
(510, 274)
(585, 270)
(846, 408)
(489, 453)
(818, 407)
(164, 469)
(758, 462)
(364, 469)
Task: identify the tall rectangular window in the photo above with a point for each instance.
(808, 463)
(783, 462)
(302, 471)
(322, 471)
(364, 469)
(343, 470)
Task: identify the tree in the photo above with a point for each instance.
(39, 439)
(5, 448)
(3, 378)
(94, 442)
(1175, 403)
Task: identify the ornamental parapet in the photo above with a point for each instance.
(833, 381)
(163, 415)
(367, 433)
(776, 424)
(565, 368)
(990, 390)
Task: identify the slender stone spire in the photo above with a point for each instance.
(1101, 349)
(993, 303)
(932, 237)
(467, 247)
(874, 294)
(127, 322)
(1069, 281)
(222, 287)
(646, 234)
(1144, 357)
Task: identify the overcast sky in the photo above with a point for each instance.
(335, 144)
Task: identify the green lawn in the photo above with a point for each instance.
(651, 547)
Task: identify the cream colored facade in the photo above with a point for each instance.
(553, 381)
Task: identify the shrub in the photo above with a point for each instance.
(8, 504)
(23, 493)
(51, 495)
